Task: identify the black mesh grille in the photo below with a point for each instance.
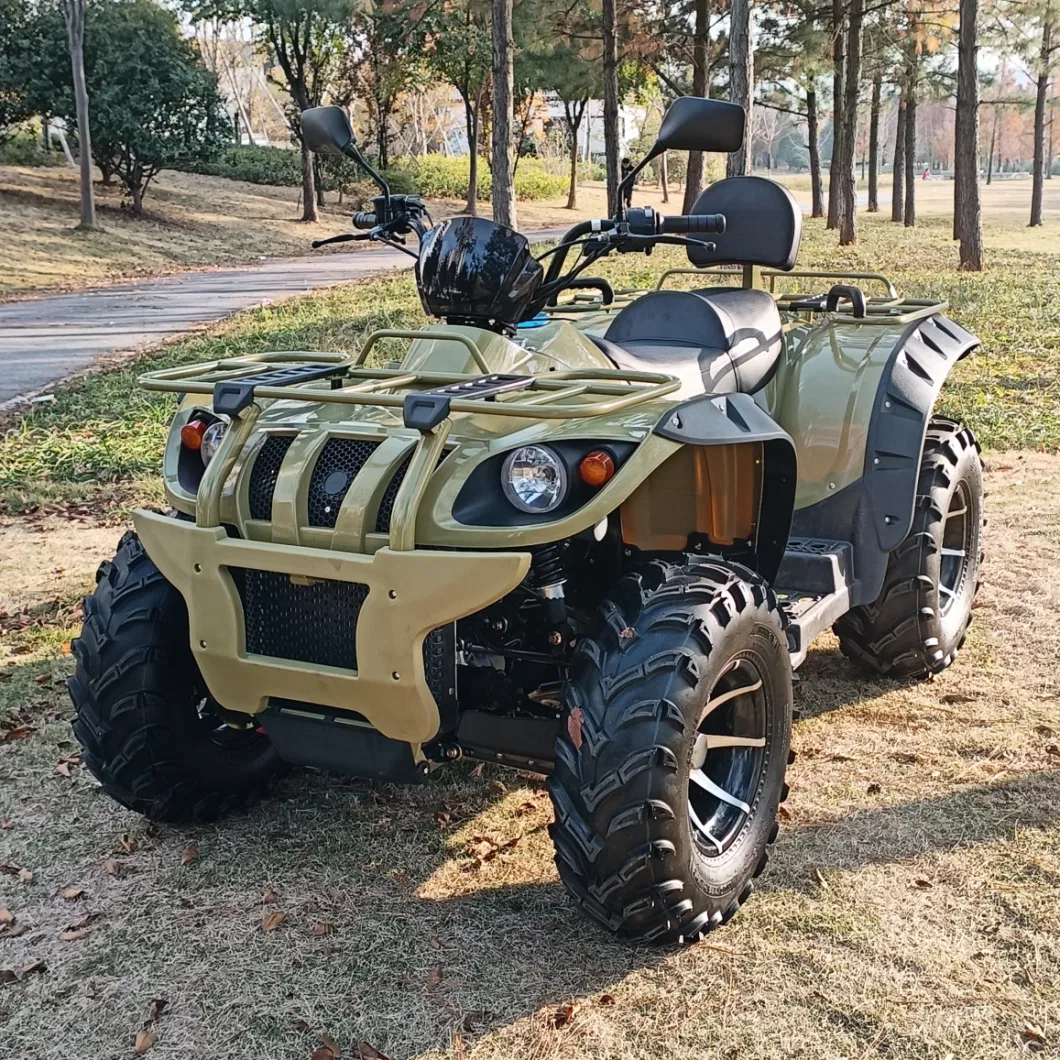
(335, 470)
(264, 473)
(386, 505)
(314, 623)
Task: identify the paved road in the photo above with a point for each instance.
(43, 340)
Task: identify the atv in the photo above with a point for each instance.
(570, 530)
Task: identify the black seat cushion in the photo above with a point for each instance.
(716, 341)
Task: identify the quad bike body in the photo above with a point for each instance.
(590, 537)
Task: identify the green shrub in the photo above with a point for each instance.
(445, 177)
(256, 165)
(24, 148)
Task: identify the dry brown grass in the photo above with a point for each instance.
(912, 909)
(197, 221)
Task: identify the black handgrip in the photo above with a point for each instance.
(846, 290)
(690, 223)
(363, 219)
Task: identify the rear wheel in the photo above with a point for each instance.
(919, 621)
(148, 728)
(670, 764)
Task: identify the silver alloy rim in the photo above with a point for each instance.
(956, 541)
(728, 754)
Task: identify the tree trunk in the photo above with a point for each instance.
(136, 190)
(503, 114)
(309, 189)
(909, 217)
(471, 120)
(1041, 99)
(898, 168)
(318, 180)
(741, 80)
(611, 144)
(839, 62)
(75, 31)
(967, 213)
(700, 59)
(993, 144)
(814, 138)
(848, 211)
(874, 143)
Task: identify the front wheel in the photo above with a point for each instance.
(147, 726)
(671, 759)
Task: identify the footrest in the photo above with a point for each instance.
(425, 410)
(232, 396)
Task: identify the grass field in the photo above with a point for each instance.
(911, 910)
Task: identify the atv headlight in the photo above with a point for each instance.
(534, 479)
(211, 440)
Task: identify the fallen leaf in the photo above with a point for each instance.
(8, 869)
(477, 771)
(1053, 749)
(63, 768)
(320, 928)
(83, 921)
(873, 789)
(606, 999)
(8, 976)
(6, 916)
(271, 921)
(442, 818)
(328, 1050)
(1033, 1033)
(6, 675)
(36, 968)
(73, 936)
(6, 824)
(268, 896)
(127, 843)
(564, 1015)
(819, 877)
(783, 812)
(71, 894)
(14, 931)
(956, 697)
(434, 977)
(434, 942)
(116, 868)
(524, 809)
(365, 1051)
(574, 727)
(300, 1025)
(498, 787)
(145, 1039)
(190, 854)
(158, 1006)
(43, 679)
(25, 876)
(922, 885)
(19, 732)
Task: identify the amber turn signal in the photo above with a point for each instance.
(596, 468)
(191, 434)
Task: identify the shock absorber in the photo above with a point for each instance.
(548, 574)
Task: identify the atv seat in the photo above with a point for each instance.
(716, 341)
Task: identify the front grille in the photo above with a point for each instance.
(386, 505)
(264, 473)
(335, 470)
(315, 623)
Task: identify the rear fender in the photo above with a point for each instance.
(732, 481)
(875, 510)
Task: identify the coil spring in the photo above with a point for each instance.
(549, 566)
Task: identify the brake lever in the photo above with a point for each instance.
(345, 237)
(676, 241)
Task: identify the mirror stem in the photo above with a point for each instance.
(657, 149)
(351, 151)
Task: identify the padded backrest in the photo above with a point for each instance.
(763, 224)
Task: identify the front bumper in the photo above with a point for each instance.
(409, 594)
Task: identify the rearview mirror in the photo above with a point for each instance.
(692, 123)
(327, 130)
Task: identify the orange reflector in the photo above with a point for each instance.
(191, 434)
(596, 467)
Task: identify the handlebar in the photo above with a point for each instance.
(685, 223)
(364, 219)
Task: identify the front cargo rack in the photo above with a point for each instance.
(235, 383)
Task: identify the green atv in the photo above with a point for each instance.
(590, 537)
